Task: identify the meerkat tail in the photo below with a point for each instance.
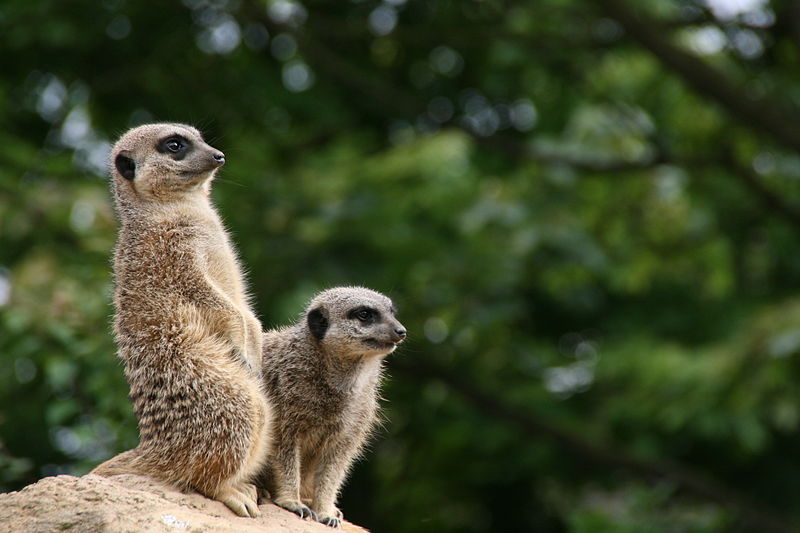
(123, 463)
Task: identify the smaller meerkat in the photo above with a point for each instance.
(322, 375)
(189, 340)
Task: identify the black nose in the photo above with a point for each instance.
(401, 332)
(219, 157)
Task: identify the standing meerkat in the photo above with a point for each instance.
(322, 376)
(189, 341)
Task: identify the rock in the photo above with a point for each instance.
(135, 504)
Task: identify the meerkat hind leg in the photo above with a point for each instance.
(238, 499)
(248, 490)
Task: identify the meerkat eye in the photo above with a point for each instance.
(173, 145)
(367, 315)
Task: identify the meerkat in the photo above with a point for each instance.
(322, 376)
(189, 341)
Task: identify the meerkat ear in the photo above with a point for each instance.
(317, 323)
(125, 166)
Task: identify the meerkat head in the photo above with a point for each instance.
(354, 321)
(162, 161)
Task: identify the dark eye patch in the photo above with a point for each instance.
(365, 314)
(175, 146)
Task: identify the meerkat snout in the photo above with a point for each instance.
(400, 333)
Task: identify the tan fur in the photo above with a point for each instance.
(322, 376)
(190, 343)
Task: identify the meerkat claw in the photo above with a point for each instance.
(236, 506)
(252, 509)
(299, 509)
(331, 521)
(249, 491)
(239, 502)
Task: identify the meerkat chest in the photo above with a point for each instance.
(311, 403)
(222, 267)
(347, 404)
(330, 419)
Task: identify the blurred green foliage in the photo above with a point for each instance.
(591, 238)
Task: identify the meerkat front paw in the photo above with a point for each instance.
(298, 508)
(241, 499)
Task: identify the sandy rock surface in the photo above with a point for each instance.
(134, 504)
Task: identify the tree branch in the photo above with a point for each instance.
(378, 91)
(754, 184)
(408, 106)
(705, 79)
(609, 455)
(386, 98)
(792, 15)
